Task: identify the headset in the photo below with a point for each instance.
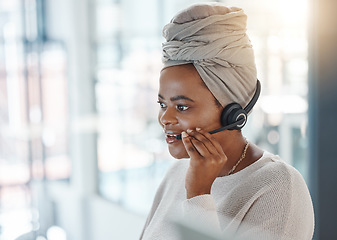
(233, 116)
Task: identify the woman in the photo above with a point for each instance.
(228, 184)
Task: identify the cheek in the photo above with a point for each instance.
(207, 120)
(187, 123)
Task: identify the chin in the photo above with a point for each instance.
(178, 152)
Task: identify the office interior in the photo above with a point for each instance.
(81, 150)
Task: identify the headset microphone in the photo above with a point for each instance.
(239, 122)
(234, 116)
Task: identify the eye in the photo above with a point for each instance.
(182, 108)
(161, 104)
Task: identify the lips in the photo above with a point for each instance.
(171, 137)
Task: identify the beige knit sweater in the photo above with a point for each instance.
(267, 200)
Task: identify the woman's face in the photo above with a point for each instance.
(185, 103)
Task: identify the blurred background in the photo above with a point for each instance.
(81, 152)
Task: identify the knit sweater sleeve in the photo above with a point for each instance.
(203, 210)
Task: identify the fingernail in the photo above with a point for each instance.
(198, 129)
(184, 134)
(189, 130)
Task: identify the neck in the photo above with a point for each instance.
(233, 144)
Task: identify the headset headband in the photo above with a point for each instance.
(252, 102)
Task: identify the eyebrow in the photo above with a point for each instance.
(179, 97)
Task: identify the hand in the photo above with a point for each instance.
(206, 161)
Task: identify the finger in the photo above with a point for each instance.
(190, 149)
(201, 148)
(203, 143)
(212, 139)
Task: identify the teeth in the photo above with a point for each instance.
(171, 135)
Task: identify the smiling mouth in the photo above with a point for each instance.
(171, 138)
(172, 135)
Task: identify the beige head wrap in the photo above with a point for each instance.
(213, 38)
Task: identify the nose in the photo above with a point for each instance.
(167, 116)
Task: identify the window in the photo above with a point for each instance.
(33, 114)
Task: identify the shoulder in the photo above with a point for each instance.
(278, 180)
(274, 170)
(269, 176)
(285, 194)
(272, 195)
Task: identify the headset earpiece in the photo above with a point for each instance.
(232, 113)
